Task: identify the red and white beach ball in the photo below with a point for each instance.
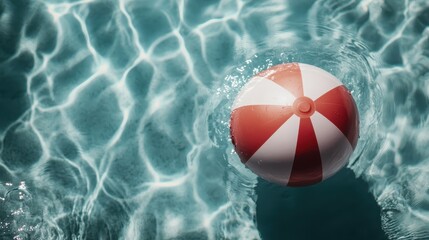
(294, 124)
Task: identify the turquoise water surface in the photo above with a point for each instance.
(114, 118)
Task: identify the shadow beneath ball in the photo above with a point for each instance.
(338, 208)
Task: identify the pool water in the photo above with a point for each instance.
(114, 118)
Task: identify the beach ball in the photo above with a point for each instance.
(294, 124)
